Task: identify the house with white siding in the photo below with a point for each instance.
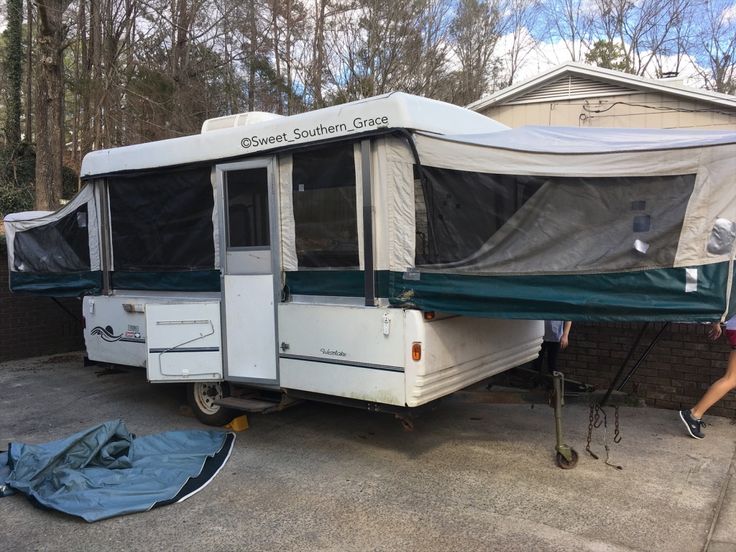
(575, 94)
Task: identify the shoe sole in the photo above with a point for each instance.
(687, 425)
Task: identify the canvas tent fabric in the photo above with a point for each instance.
(469, 217)
(550, 139)
(106, 471)
(528, 223)
(56, 253)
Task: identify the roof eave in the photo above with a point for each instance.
(633, 81)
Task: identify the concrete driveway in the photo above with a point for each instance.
(473, 475)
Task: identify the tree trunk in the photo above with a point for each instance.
(276, 39)
(29, 75)
(318, 53)
(287, 53)
(252, 51)
(13, 64)
(49, 104)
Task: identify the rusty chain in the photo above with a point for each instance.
(617, 429)
(597, 417)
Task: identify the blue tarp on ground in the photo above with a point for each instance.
(106, 471)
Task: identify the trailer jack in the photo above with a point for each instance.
(566, 456)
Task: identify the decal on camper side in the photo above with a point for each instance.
(132, 334)
(332, 352)
(297, 134)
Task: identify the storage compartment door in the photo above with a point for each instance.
(184, 342)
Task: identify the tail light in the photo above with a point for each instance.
(416, 351)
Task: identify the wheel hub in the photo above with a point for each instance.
(206, 396)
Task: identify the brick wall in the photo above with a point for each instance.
(677, 371)
(33, 326)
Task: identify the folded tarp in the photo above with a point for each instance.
(106, 471)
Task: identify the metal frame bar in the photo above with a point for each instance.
(368, 251)
(105, 237)
(636, 364)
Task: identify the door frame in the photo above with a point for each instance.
(271, 165)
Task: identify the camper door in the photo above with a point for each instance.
(248, 233)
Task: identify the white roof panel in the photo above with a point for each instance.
(394, 110)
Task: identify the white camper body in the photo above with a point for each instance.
(253, 333)
(340, 350)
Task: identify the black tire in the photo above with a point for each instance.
(200, 397)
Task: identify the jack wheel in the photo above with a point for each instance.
(201, 396)
(406, 423)
(563, 463)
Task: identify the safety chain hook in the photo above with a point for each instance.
(591, 423)
(616, 429)
(597, 417)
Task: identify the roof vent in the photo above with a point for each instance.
(238, 120)
(673, 78)
(570, 87)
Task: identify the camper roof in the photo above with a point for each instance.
(394, 110)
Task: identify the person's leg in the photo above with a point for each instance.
(718, 390)
(553, 348)
(539, 363)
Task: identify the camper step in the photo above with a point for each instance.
(246, 405)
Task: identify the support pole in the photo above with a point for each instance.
(637, 364)
(369, 256)
(643, 356)
(625, 362)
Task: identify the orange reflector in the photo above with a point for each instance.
(416, 351)
(429, 315)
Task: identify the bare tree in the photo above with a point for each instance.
(29, 73)
(520, 18)
(431, 59)
(673, 55)
(12, 65)
(102, 62)
(715, 46)
(643, 29)
(570, 22)
(50, 103)
(475, 32)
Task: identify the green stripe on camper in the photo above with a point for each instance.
(335, 283)
(656, 295)
(56, 284)
(194, 280)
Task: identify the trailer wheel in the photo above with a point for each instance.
(202, 396)
(563, 463)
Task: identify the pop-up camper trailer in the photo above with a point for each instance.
(386, 252)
